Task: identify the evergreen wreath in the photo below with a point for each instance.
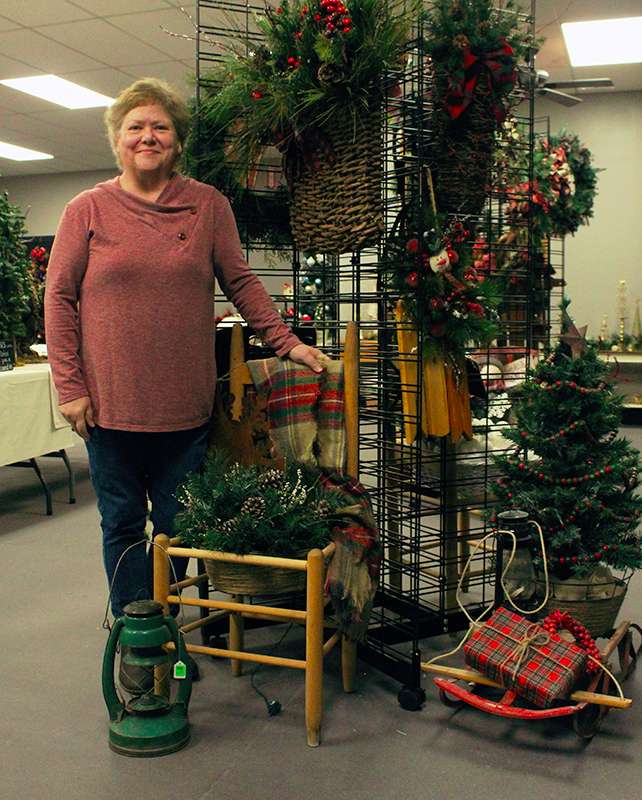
(563, 191)
(256, 509)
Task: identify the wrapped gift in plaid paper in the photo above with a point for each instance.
(522, 656)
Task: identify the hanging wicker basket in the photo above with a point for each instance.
(251, 580)
(461, 150)
(597, 614)
(338, 207)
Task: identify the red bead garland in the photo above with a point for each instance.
(562, 620)
(550, 387)
(570, 481)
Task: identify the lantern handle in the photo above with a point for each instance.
(114, 705)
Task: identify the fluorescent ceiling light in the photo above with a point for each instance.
(604, 41)
(16, 153)
(58, 90)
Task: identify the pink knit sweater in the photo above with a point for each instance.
(129, 303)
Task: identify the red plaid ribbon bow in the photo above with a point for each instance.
(500, 64)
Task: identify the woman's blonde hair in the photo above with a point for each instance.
(147, 91)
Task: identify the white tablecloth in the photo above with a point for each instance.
(30, 423)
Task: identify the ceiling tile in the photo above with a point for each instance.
(19, 102)
(107, 81)
(7, 24)
(101, 8)
(82, 120)
(23, 123)
(148, 28)
(97, 38)
(41, 12)
(174, 72)
(12, 68)
(42, 53)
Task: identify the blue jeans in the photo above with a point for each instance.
(126, 468)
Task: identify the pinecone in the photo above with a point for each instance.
(322, 508)
(229, 525)
(461, 41)
(254, 507)
(270, 479)
(330, 75)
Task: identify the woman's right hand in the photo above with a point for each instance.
(79, 414)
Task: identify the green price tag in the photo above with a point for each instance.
(180, 671)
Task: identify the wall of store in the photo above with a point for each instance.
(597, 257)
(43, 197)
(609, 249)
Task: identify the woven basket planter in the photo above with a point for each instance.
(598, 615)
(461, 150)
(338, 208)
(251, 580)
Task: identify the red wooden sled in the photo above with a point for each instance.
(587, 708)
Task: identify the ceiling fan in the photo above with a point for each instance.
(546, 88)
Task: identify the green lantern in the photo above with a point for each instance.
(147, 725)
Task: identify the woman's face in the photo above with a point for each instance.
(147, 141)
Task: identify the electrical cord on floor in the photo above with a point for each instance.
(274, 707)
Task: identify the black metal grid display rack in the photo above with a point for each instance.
(429, 495)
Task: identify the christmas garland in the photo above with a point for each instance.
(563, 191)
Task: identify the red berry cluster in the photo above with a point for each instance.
(38, 254)
(333, 17)
(562, 620)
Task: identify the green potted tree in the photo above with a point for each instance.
(577, 478)
(14, 281)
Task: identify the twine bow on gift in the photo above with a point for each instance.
(534, 637)
(500, 65)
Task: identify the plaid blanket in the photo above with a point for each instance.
(305, 410)
(306, 418)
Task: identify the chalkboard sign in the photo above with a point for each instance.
(6, 356)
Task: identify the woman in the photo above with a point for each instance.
(129, 323)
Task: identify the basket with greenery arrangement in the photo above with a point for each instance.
(474, 48)
(314, 88)
(255, 510)
(573, 475)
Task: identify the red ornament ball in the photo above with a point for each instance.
(412, 280)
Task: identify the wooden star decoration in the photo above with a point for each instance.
(574, 337)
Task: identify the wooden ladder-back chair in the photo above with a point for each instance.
(312, 617)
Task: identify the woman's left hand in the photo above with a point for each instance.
(310, 356)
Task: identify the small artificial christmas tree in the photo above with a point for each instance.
(571, 472)
(14, 272)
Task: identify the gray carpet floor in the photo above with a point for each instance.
(53, 722)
